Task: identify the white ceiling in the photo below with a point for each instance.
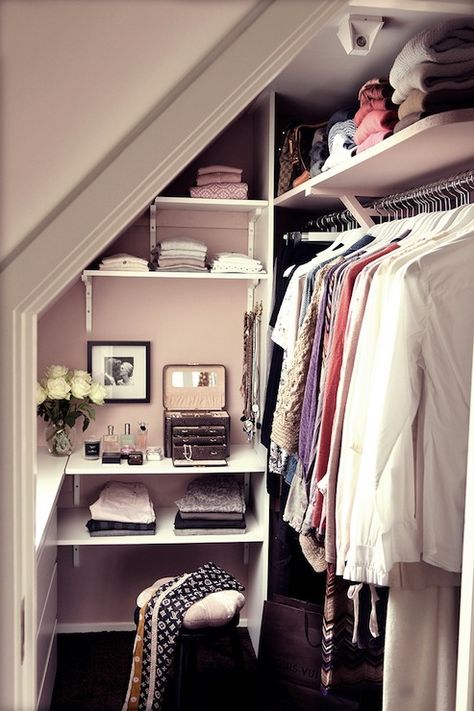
(323, 77)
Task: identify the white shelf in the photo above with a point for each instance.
(243, 459)
(209, 205)
(72, 531)
(95, 273)
(443, 140)
(49, 477)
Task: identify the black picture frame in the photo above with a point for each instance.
(123, 367)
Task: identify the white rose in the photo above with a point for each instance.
(58, 389)
(57, 371)
(97, 393)
(80, 387)
(83, 374)
(41, 394)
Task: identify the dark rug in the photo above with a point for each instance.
(94, 669)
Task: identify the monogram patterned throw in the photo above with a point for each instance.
(157, 633)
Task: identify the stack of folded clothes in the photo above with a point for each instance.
(319, 152)
(228, 262)
(211, 504)
(122, 509)
(179, 254)
(377, 115)
(220, 181)
(340, 132)
(123, 263)
(434, 71)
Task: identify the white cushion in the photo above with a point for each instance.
(214, 610)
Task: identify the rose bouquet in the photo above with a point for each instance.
(63, 396)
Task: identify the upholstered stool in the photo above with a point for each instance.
(214, 617)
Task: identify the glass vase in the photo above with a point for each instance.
(60, 439)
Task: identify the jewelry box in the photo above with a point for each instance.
(196, 423)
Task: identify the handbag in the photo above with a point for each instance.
(289, 656)
(294, 160)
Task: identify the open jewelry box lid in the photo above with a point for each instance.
(194, 386)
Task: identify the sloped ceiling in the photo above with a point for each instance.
(76, 76)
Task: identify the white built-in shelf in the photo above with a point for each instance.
(243, 459)
(49, 478)
(72, 531)
(208, 205)
(94, 273)
(435, 146)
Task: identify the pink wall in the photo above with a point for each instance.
(185, 321)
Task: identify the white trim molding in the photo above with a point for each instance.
(103, 205)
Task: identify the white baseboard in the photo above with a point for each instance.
(80, 627)
(73, 627)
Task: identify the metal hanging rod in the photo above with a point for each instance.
(442, 194)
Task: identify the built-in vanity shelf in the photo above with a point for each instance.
(393, 165)
(243, 460)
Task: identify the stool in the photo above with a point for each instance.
(186, 657)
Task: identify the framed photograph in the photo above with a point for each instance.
(123, 367)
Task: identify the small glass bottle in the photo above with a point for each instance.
(110, 441)
(127, 442)
(141, 438)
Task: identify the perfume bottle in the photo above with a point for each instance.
(110, 441)
(141, 438)
(127, 442)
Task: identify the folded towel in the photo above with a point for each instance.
(408, 120)
(235, 262)
(436, 101)
(448, 45)
(373, 139)
(206, 525)
(339, 153)
(122, 268)
(208, 178)
(221, 191)
(433, 77)
(219, 169)
(119, 501)
(447, 42)
(180, 259)
(182, 244)
(342, 134)
(124, 260)
(119, 528)
(374, 122)
(237, 256)
(181, 267)
(213, 493)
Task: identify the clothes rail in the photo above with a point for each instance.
(442, 194)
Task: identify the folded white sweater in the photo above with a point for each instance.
(120, 501)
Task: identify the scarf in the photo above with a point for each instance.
(159, 625)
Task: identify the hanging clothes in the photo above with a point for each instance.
(374, 408)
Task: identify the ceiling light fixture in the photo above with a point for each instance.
(358, 32)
